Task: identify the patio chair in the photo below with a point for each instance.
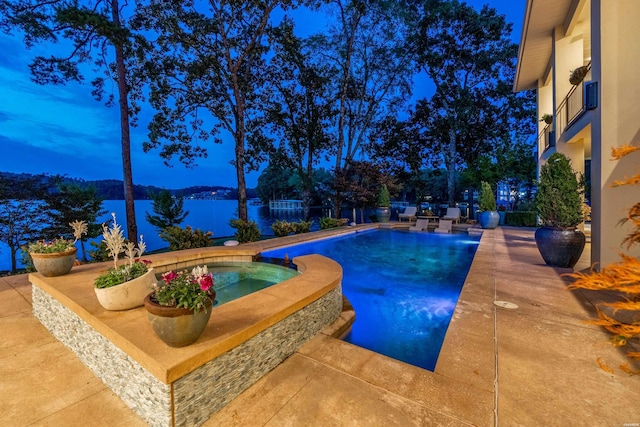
(453, 214)
(409, 213)
(421, 225)
(444, 226)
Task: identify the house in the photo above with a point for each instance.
(593, 115)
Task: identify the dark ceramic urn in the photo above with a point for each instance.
(560, 247)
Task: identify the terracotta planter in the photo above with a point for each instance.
(54, 264)
(129, 294)
(177, 327)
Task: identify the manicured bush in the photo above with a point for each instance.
(520, 219)
(332, 222)
(486, 200)
(185, 238)
(246, 231)
(301, 227)
(559, 196)
(282, 228)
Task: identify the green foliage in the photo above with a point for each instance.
(51, 246)
(327, 222)
(71, 202)
(302, 227)
(469, 56)
(21, 222)
(101, 252)
(169, 211)
(185, 238)
(246, 231)
(521, 219)
(486, 199)
(282, 228)
(119, 275)
(273, 183)
(558, 199)
(383, 197)
(193, 291)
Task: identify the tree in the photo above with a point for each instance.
(367, 47)
(361, 183)
(204, 69)
(73, 203)
(21, 222)
(471, 60)
(90, 31)
(297, 108)
(273, 183)
(169, 210)
(23, 219)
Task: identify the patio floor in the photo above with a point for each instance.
(530, 366)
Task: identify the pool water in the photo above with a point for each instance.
(233, 280)
(403, 286)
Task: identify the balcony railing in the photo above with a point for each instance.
(573, 105)
(546, 138)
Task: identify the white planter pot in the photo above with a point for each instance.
(129, 294)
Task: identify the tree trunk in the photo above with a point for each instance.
(451, 168)
(14, 253)
(125, 137)
(350, 40)
(242, 183)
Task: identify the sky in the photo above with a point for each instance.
(63, 130)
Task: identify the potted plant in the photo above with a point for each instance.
(383, 211)
(180, 305)
(56, 257)
(123, 287)
(547, 118)
(559, 206)
(488, 217)
(578, 75)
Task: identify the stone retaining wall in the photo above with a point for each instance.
(201, 393)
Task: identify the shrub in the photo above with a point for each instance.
(521, 219)
(332, 222)
(486, 200)
(383, 197)
(282, 228)
(559, 199)
(301, 227)
(185, 238)
(246, 231)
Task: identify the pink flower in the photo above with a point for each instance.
(169, 276)
(206, 282)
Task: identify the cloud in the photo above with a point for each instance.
(63, 130)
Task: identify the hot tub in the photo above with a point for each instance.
(244, 339)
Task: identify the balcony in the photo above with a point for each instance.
(546, 138)
(573, 105)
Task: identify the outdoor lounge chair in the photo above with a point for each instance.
(444, 226)
(453, 214)
(421, 225)
(409, 213)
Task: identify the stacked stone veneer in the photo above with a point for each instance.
(200, 393)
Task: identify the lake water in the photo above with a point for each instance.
(207, 215)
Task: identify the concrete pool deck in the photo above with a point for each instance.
(535, 365)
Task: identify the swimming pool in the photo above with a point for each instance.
(403, 286)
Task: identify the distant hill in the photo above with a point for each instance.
(20, 186)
